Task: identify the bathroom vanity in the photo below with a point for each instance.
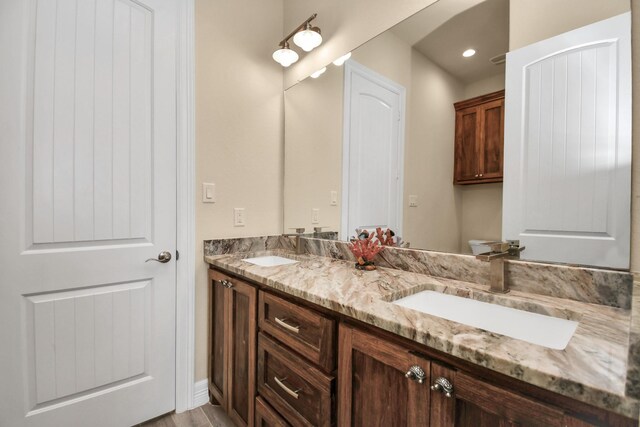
(317, 342)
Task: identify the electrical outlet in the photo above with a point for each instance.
(334, 198)
(208, 192)
(315, 216)
(239, 219)
(413, 201)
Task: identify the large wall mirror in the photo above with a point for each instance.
(374, 141)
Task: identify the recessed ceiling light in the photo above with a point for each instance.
(469, 52)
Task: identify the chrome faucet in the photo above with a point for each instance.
(499, 252)
(297, 235)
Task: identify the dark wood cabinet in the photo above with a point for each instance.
(304, 330)
(373, 387)
(266, 416)
(300, 392)
(473, 402)
(479, 139)
(377, 386)
(285, 374)
(232, 352)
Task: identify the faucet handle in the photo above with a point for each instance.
(299, 230)
(498, 247)
(515, 248)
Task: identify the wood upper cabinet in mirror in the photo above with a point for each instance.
(479, 139)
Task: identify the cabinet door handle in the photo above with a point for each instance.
(292, 328)
(477, 175)
(225, 283)
(293, 393)
(443, 385)
(480, 175)
(416, 373)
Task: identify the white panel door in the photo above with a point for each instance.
(373, 151)
(88, 162)
(567, 178)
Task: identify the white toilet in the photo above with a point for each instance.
(478, 247)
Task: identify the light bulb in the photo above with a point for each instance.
(342, 59)
(469, 52)
(308, 39)
(285, 56)
(318, 73)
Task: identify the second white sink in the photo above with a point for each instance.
(270, 261)
(547, 331)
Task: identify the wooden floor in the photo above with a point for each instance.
(204, 416)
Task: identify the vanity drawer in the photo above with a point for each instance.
(297, 390)
(302, 329)
(266, 416)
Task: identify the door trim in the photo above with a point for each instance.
(353, 67)
(185, 238)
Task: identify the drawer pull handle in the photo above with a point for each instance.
(284, 324)
(290, 392)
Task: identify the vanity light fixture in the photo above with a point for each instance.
(318, 73)
(305, 36)
(309, 38)
(338, 62)
(469, 52)
(285, 56)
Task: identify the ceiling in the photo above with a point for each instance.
(483, 26)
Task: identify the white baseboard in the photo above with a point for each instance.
(200, 393)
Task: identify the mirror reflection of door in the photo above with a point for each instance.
(567, 182)
(373, 151)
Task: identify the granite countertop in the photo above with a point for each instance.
(592, 368)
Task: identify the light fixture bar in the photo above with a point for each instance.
(298, 28)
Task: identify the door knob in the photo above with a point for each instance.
(163, 257)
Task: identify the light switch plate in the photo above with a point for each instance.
(208, 192)
(334, 198)
(239, 218)
(413, 201)
(315, 216)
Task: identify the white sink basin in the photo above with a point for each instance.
(547, 331)
(270, 261)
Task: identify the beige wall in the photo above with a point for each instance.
(313, 152)
(535, 20)
(484, 86)
(345, 26)
(238, 129)
(481, 212)
(435, 223)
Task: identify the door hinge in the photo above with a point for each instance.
(177, 255)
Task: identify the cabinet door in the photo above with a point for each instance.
(217, 338)
(491, 117)
(476, 403)
(242, 302)
(373, 389)
(466, 165)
